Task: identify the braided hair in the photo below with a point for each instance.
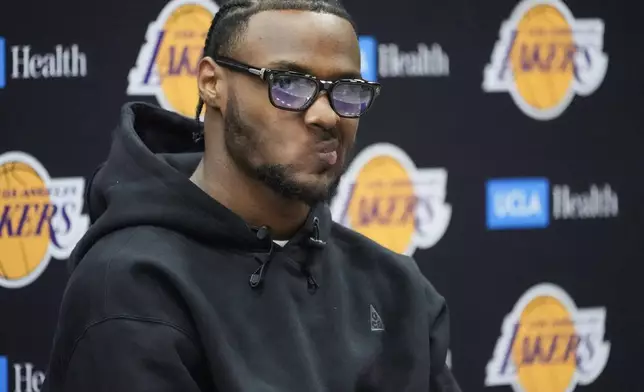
(231, 20)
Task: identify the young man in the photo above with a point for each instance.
(216, 266)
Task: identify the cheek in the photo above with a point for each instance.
(282, 136)
(291, 137)
(349, 131)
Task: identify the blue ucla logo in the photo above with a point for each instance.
(3, 75)
(518, 203)
(4, 379)
(368, 58)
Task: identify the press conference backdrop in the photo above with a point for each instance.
(505, 154)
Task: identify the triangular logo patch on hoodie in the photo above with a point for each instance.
(376, 321)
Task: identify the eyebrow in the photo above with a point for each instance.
(293, 66)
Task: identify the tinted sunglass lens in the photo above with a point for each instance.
(352, 99)
(291, 92)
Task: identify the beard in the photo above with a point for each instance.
(243, 143)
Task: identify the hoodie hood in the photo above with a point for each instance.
(145, 181)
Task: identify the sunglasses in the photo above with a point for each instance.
(296, 91)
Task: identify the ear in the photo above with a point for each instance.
(211, 83)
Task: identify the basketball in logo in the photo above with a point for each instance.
(386, 198)
(40, 218)
(167, 64)
(547, 344)
(544, 57)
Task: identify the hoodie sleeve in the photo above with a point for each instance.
(440, 376)
(127, 354)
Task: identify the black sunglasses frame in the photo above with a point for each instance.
(268, 75)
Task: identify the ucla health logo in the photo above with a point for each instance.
(518, 203)
(4, 380)
(26, 378)
(61, 62)
(531, 203)
(387, 60)
(3, 62)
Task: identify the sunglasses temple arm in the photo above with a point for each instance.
(259, 72)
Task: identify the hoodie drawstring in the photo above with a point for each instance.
(257, 277)
(315, 241)
(315, 238)
(310, 280)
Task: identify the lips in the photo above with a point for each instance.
(328, 146)
(328, 151)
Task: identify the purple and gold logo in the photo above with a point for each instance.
(385, 197)
(167, 64)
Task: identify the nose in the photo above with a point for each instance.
(320, 114)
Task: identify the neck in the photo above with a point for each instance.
(254, 202)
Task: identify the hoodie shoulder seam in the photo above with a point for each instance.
(107, 272)
(126, 317)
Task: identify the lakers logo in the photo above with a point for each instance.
(40, 218)
(386, 198)
(167, 64)
(547, 344)
(544, 57)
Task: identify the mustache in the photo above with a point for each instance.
(329, 134)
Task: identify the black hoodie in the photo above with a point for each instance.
(171, 291)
